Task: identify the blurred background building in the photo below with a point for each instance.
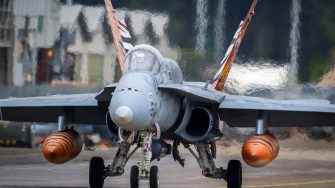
(86, 45)
(36, 27)
(42, 41)
(6, 41)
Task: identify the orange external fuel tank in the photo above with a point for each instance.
(62, 146)
(260, 150)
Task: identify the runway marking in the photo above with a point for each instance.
(292, 184)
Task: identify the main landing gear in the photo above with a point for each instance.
(97, 174)
(205, 159)
(234, 174)
(98, 171)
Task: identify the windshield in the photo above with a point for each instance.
(141, 60)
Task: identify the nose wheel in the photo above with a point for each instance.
(96, 173)
(153, 178)
(135, 177)
(144, 170)
(234, 174)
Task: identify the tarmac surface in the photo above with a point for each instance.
(301, 163)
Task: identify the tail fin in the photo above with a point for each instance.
(121, 35)
(226, 63)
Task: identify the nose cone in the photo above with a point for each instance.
(131, 110)
(134, 101)
(123, 115)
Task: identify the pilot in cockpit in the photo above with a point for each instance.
(141, 60)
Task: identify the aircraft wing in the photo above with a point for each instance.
(78, 108)
(243, 111)
(197, 91)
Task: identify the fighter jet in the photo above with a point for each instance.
(151, 106)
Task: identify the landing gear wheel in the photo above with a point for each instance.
(96, 173)
(234, 174)
(134, 177)
(153, 179)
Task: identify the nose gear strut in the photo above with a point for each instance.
(143, 170)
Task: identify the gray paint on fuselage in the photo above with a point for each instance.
(151, 106)
(136, 91)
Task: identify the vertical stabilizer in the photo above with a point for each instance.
(226, 63)
(122, 38)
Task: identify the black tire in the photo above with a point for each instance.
(134, 177)
(96, 173)
(234, 174)
(153, 179)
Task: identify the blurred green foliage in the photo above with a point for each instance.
(317, 39)
(192, 64)
(318, 68)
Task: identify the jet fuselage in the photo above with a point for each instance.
(138, 103)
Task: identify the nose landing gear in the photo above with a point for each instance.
(135, 177)
(153, 179)
(98, 171)
(143, 170)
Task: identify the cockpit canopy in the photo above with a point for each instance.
(148, 59)
(143, 59)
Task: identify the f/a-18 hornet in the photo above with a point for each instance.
(151, 106)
